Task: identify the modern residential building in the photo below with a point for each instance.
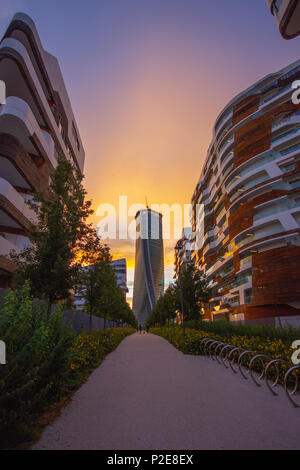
(149, 263)
(120, 267)
(37, 126)
(287, 14)
(183, 252)
(250, 189)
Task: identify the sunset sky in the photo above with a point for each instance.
(147, 79)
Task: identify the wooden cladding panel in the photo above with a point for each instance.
(255, 137)
(242, 218)
(244, 108)
(252, 139)
(236, 261)
(266, 311)
(276, 276)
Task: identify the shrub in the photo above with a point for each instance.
(223, 328)
(37, 357)
(45, 361)
(88, 350)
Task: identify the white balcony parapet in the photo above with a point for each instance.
(17, 111)
(9, 192)
(16, 49)
(6, 247)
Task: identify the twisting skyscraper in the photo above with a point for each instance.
(149, 263)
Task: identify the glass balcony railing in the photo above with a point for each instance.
(275, 95)
(284, 135)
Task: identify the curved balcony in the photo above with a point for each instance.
(16, 205)
(14, 49)
(17, 119)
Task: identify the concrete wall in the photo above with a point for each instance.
(81, 321)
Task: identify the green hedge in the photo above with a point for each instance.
(190, 344)
(223, 328)
(45, 361)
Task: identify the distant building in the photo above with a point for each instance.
(149, 263)
(250, 189)
(287, 14)
(120, 267)
(37, 126)
(183, 253)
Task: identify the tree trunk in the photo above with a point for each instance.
(49, 305)
(90, 323)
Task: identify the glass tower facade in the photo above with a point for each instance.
(149, 263)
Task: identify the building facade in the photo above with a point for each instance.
(183, 252)
(149, 263)
(249, 189)
(120, 268)
(37, 126)
(287, 14)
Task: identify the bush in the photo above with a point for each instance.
(190, 344)
(88, 350)
(223, 328)
(273, 348)
(45, 361)
(37, 358)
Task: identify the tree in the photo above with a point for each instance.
(165, 308)
(53, 259)
(99, 289)
(196, 292)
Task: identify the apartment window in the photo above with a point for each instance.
(273, 208)
(291, 149)
(282, 136)
(248, 296)
(75, 136)
(295, 184)
(291, 73)
(288, 168)
(274, 95)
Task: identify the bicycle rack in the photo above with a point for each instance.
(259, 357)
(232, 356)
(291, 393)
(240, 363)
(213, 345)
(223, 359)
(275, 382)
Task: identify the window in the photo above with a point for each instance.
(75, 136)
(248, 296)
(285, 134)
(295, 184)
(290, 149)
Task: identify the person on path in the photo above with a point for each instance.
(140, 328)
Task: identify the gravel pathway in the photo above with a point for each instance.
(148, 395)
